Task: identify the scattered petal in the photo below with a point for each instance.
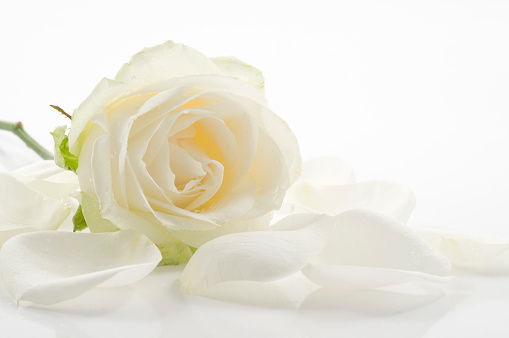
(258, 256)
(49, 267)
(327, 185)
(470, 252)
(393, 199)
(361, 277)
(368, 250)
(36, 197)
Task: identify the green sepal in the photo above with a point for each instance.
(63, 157)
(70, 160)
(79, 221)
(175, 253)
(58, 136)
(92, 214)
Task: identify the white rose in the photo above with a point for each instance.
(182, 146)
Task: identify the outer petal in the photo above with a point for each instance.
(151, 65)
(93, 106)
(198, 238)
(471, 252)
(163, 62)
(100, 167)
(234, 67)
(282, 135)
(370, 250)
(258, 256)
(50, 267)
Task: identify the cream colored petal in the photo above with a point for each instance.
(48, 179)
(162, 62)
(258, 256)
(367, 238)
(44, 170)
(227, 86)
(284, 138)
(198, 238)
(228, 209)
(482, 254)
(101, 187)
(272, 181)
(232, 66)
(370, 250)
(393, 199)
(242, 123)
(23, 209)
(93, 105)
(356, 277)
(49, 267)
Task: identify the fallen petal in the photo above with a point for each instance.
(362, 277)
(49, 267)
(258, 256)
(368, 250)
(24, 209)
(476, 253)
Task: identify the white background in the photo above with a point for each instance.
(415, 91)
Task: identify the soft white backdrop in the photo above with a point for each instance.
(414, 91)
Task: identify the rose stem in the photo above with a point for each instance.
(18, 130)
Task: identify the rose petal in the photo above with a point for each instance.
(369, 245)
(392, 199)
(273, 183)
(232, 66)
(100, 188)
(48, 179)
(360, 277)
(49, 267)
(45, 170)
(258, 256)
(198, 238)
(162, 62)
(219, 84)
(365, 238)
(93, 105)
(481, 254)
(23, 209)
(285, 141)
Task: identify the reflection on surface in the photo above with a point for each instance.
(158, 307)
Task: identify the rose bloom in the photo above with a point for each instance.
(182, 148)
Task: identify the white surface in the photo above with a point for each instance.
(412, 91)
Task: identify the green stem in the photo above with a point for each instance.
(18, 130)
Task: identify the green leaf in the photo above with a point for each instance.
(79, 221)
